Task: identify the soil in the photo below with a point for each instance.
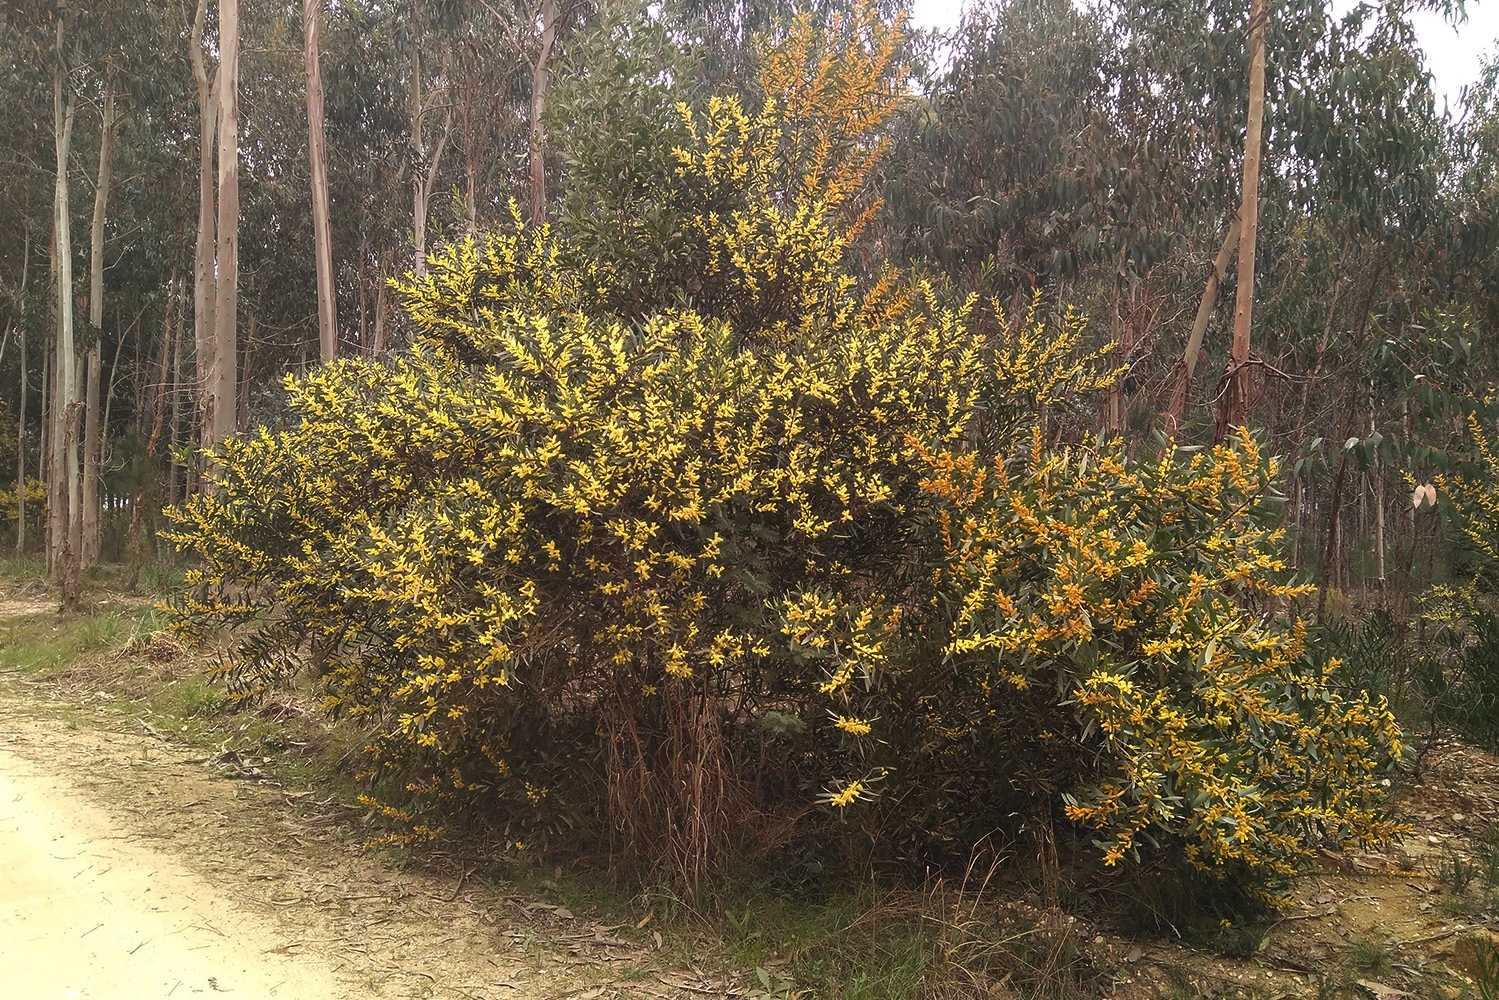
(86, 912)
(134, 866)
(1418, 920)
(129, 869)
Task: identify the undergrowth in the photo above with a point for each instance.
(790, 927)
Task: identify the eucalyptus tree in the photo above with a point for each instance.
(221, 390)
(1473, 271)
(317, 161)
(205, 276)
(89, 520)
(1010, 170)
(723, 35)
(80, 51)
(368, 159)
(27, 177)
(1236, 392)
(216, 267)
(1099, 152)
(63, 489)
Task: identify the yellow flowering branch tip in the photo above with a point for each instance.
(847, 795)
(852, 726)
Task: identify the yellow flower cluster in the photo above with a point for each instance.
(36, 502)
(544, 518)
(1142, 591)
(837, 86)
(1475, 499)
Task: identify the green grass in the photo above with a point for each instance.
(1371, 954)
(149, 679)
(851, 941)
(837, 940)
(23, 568)
(157, 578)
(1471, 880)
(161, 578)
(45, 643)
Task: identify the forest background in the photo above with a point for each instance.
(1102, 166)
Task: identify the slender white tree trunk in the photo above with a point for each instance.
(541, 76)
(418, 162)
(63, 485)
(226, 350)
(1236, 397)
(21, 419)
(205, 284)
(1205, 307)
(424, 162)
(93, 431)
(327, 305)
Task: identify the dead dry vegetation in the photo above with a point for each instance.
(260, 804)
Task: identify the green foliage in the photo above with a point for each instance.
(545, 537)
(992, 160)
(1486, 959)
(614, 113)
(45, 645)
(1454, 651)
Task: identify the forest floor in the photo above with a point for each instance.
(152, 844)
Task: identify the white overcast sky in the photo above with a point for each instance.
(1453, 55)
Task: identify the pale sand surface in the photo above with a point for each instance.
(86, 911)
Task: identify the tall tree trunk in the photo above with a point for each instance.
(541, 76)
(113, 381)
(1379, 526)
(363, 287)
(1330, 567)
(471, 182)
(424, 165)
(1235, 408)
(51, 549)
(75, 416)
(377, 341)
(174, 384)
(64, 412)
(75, 492)
(93, 445)
(21, 419)
(44, 450)
(90, 515)
(1205, 307)
(205, 284)
(226, 308)
(153, 440)
(317, 155)
(418, 161)
(245, 367)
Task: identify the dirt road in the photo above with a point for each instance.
(87, 912)
(135, 867)
(132, 868)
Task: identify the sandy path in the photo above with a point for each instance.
(86, 912)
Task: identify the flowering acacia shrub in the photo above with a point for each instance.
(656, 561)
(1113, 625)
(1474, 496)
(517, 566)
(36, 502)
